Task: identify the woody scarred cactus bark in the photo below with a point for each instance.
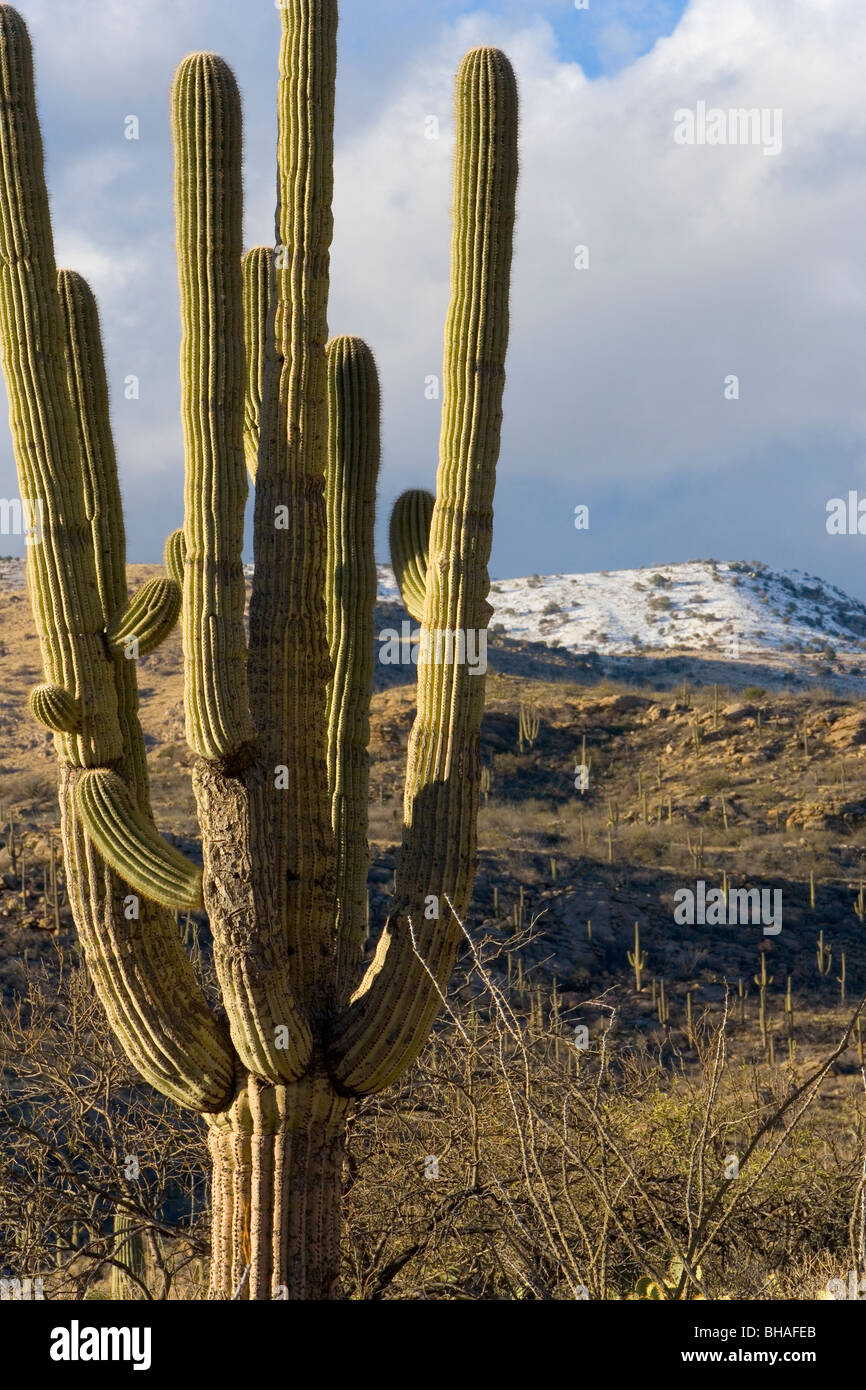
(278, 722)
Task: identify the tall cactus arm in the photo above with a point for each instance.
(409, 537)
(289, 662)
(232, 789)
(353, 469)
(206, 127)
(259, 302)
(88, 391)
(61, 571)
(387, 1019)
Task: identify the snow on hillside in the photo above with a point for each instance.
(734, 609)
(731, 609)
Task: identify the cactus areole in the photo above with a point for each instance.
(278, 721)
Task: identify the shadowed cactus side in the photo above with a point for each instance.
(279, 720)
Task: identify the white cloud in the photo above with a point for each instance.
(705, 261)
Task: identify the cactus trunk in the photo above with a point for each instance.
(277, 1159)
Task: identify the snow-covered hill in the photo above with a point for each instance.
(734, 610)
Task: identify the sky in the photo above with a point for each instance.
(704, 262)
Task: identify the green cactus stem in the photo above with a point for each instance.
(206, 126)
(174, 556)
(389, 1016)
(129, 843)
(259, 305)
(528, 725)
(147, 619)
(55, 708)
(409, 537)
(637, 959)
(351, 585)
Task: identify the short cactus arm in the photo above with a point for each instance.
(61, 570)
(147, 619)
(175, 556)
(128, 841)
(55, 708)
(206, 127)
(289, 661)
(353, 468)
(259, 304)
(387, 1020)
(409, 536)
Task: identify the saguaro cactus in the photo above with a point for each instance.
(279, 724)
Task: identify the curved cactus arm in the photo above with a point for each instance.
(259, 303)
(174, 556)
(353, 468)
(409, 537)
(142, 975)
(206, 128)
(289, 662)
(129, 842)
(61, 571)
(146, 620)
(55, 708)
(388, 1018)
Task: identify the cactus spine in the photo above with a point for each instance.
(278, 726)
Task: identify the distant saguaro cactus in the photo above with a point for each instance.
(278, 721)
